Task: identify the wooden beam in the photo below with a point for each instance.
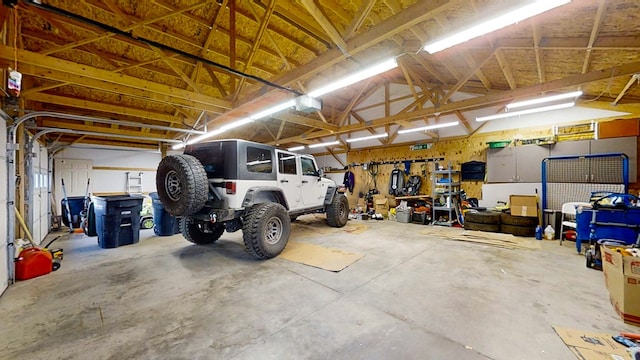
(595, 29)
(363, 11)
(47, 122)
(463, 80)
(189, 81)
(484, 101)
(633, 79)
(325, 24)
(51, 63)
(102, 107)
(300, 120)
(506, 69)
(464, 121)
(542, 76)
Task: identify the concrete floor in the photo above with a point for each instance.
(412, 296)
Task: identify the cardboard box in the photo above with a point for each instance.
(592, 346)
(382, 206)
(523, 205)
(622, 276)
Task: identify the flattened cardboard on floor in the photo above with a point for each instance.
(592, 346)
(319, 256)
(622, 277)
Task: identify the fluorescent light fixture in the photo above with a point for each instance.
(530, 10)
(525, 112)
(544, 100)
(323, 144)
(377, 136)
(296, 148)
(218, 131)
(352, 79)
(178, 146)
(274, 109)
(429, 127)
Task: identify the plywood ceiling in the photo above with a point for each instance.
(159, 67)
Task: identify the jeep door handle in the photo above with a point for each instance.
(304, 181)
(284, 181)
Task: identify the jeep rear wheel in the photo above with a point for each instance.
(338, 211)
(266, 230)
(193, 232)
(182, 184)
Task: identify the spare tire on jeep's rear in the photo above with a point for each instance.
(182, 184)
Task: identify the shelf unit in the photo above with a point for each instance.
(446, 187)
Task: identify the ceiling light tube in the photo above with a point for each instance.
(296, 148)
(525, 112)
(352, 79)
(274, 109)
(524, 12)
(220, 130)
(323, 144)
(377, 136)
(545, 99)
(429, 127)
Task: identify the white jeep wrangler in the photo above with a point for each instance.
(237, 184)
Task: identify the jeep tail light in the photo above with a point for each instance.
(231, 187)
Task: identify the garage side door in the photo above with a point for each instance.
(4, 255)
(75, 174)
(40, 214)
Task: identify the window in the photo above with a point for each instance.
(287, 164)
(259, 160)
(308, 167)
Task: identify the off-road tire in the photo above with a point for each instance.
(481, 226)
(266, 229)
(192, 232)
(518, 230)
(526, 221)
(489, 217)
(338, 211)
(182, 184)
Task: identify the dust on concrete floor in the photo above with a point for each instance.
(412, 296)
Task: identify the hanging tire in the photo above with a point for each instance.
(518, 230)
(193, 232)
(182, 184)
(481, 227)
(526, 221)
(266, 229)
(338, 211)
(488, 217)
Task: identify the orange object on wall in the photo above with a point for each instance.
(619, 128)
(33, 262)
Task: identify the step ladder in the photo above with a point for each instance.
(134, 182)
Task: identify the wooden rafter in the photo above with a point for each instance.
(506, 69)
(464, 79)
(325, 24)
(542, 76)
(464, 121)
(358, 19)
(595, 29)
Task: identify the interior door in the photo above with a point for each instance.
(75, 173)
(39, 212)
(4, 254)
(289, 178)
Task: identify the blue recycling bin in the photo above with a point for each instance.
(117, 220)
(610, 223)
(164, 224)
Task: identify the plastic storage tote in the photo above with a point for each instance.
(117, 220)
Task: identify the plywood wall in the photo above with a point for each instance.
(454, 153)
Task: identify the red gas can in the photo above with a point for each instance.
(33, 262)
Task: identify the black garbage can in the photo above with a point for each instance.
(164, 224)
(117, 220)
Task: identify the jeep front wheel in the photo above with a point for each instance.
(338, 211)
(182, 184)
(193, 232)
(266, 230)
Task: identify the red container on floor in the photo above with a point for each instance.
(33, 262)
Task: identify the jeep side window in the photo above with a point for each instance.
(308, 167)
(259, 160)
(287, 164)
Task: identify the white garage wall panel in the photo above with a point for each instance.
(330, 161)
(109, 167)
(4, 255)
